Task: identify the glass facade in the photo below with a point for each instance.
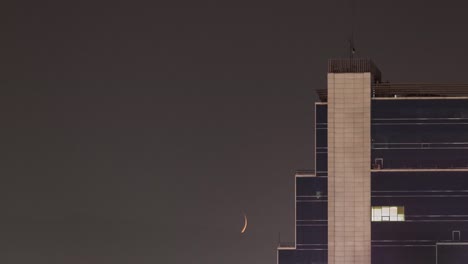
(311, 205)
(419, 185)
(419, 153)
(420, 133)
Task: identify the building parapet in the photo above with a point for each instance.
(287, 245)
(305, 173)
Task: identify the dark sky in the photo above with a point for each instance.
(139, 131)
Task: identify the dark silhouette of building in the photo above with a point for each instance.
(391, 178)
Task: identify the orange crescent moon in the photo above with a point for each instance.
(245, 224)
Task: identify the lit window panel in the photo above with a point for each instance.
(376, 213)
(393, 213)
(388, 213)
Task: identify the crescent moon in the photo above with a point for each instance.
(245, 224)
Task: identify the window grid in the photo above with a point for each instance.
(388, 214)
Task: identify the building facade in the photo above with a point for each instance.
(391, 177)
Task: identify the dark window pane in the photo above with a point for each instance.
(321, 114)
(420, 108)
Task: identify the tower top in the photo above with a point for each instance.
(354, 65)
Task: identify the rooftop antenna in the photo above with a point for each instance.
(352, 48)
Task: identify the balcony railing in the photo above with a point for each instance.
(397, 90)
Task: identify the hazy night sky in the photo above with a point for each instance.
(138, 131)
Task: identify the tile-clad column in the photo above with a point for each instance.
(349, 168)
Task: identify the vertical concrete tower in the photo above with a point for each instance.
(349, 160)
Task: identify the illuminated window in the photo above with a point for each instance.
(388, 213)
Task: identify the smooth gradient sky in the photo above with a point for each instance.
(139, 131)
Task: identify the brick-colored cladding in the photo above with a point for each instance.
(349, 176)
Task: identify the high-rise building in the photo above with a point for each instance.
(390, 184)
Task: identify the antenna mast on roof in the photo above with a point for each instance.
(352, 48)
